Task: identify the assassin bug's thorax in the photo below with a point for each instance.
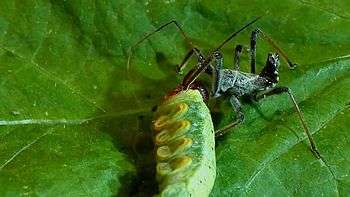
(241, 83)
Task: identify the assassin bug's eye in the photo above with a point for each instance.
(274, 59)
(217, 54)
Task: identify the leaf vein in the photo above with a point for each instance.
(55, 78)
(324, 9)
(17, 153)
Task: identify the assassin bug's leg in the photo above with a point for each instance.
(184, 62)
(237, 57)
(265, 37)
(184, 35)
(218, 64)
(240, 117)
(200, 60)
(189, 54)
(253, 51)
(280, 90)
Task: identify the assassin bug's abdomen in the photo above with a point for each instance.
(185, 146)
(241, 83)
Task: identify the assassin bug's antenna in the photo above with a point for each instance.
(187, 39)
(194, 75)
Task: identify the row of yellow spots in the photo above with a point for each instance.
(171, 141)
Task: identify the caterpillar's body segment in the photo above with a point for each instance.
(185, 146)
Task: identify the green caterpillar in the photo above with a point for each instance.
(184, 146)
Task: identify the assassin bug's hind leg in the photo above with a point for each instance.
(280, 90)
(239, 117)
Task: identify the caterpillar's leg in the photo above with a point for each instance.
(239, 117)
(280, 90)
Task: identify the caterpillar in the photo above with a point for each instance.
(185, 146)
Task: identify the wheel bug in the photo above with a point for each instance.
(234, 82)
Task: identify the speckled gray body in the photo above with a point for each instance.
(236, 84)
(240, 83)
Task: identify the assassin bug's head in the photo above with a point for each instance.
(270, 71)
(196, 85)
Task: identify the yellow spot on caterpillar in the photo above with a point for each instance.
(172, 131)
(163, 168)
(183, 144)
(180, 163)
(180, 109)
(164, 152)
(174, 148)
(174, 165)
(161, 122)
(170, 115)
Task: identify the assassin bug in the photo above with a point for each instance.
(184, 134)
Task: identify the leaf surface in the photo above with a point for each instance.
(75, 119)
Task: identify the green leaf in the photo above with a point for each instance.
(53, 113)
(75, 120)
